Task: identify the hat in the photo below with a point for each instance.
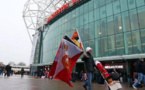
(88, 49)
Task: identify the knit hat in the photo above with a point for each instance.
(88, 49)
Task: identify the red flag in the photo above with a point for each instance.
(77, 40)
(67, 54)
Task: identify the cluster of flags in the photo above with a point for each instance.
(66, 57)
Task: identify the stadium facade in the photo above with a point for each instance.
(114, 29)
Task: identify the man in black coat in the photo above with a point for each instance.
(89, 65)
(139, 70)
(8, 69)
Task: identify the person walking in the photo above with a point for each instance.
(89, 65)
(139, 70)
(22, 72)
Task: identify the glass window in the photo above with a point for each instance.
(103, 27)
(86, 18)
(108, 1)
(92, 45)
(102, 2)
(109, 9)
(140, 3)
(77, 12)
(92, 30)
(133, 19)
(91, 16)
(143, 40)
(103, 47)
(128, 43)
(86, 9)
(96, 48)
(97, 29)
(131, 4)
(86, 32)
(110, 25)
(96, 14)
(81, 10)
(81, 32)
(102, 12)
(117, 23)
(136, 42)
(123, 4)
(111, 45)
(91, 5)
(81, 20)
(77, 21)
(96, 3)
(125, 21)
(116, 6)
(119, 44)
(141, 16)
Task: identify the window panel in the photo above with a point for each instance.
(126, 21)
(110, 25)
(111, 45)
(116, 6)
(97, 29)
(102, 12)
(86, 18)
(136, 42)
(91, 16)
(96, 14)
(141, 16)
(124, 5)
(128, 43)
(117, 23)
(131, 4)
(103, 27)
(119, 44)
(86, 9)
(86, 32)
(143, 40)
(109, 9)
(140, 3)
(133, 19)
(91, 30)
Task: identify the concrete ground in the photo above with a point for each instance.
(15, 82)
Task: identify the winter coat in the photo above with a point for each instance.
(89, 62)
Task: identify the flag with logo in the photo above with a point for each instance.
(76, 39)
(68, 52)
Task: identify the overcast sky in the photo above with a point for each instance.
(15, 44)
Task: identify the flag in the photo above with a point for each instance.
(76, 39)
(68, 53)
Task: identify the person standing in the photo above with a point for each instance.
(22, 72)
(8, 70)
(89, 65)
(139, 70)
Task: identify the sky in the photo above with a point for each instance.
(15, 44)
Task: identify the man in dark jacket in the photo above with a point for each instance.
(139, 70)
(89, 65)
(8, 69)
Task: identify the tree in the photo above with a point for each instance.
(21, 64)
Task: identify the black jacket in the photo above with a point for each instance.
(139, 66)
(89, 62)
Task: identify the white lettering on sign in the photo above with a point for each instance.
(116, 66)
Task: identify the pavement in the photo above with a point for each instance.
(15, 82)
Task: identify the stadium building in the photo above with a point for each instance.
(114, 29)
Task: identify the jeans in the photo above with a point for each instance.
(140, 77)
(144, 79)
(89, 80)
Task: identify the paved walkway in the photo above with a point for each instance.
(30, 83)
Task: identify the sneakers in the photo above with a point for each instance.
(85, 87)
(134, 87)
